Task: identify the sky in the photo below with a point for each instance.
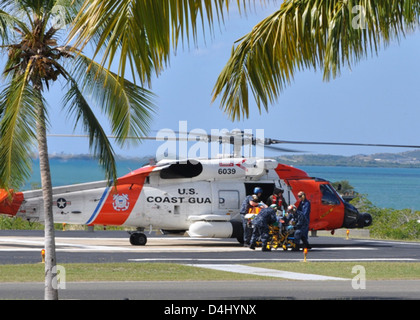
(377, 101)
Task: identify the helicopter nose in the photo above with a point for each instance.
(10, 202)
(365, 220)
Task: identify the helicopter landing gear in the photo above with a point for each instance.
(138, 239)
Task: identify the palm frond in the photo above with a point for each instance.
(98, 141)
(144, 31)
(10, 25)
(129, 107)
(308, 34)
(18, 103)
(6, 22)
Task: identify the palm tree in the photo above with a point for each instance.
(144, 33)
(308, 34)
(302, 34)
(30, 32)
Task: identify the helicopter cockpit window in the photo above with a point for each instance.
(181, 170)
(328, 195)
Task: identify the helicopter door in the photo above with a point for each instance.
(228, 199)
(313, 194)
(268, 189)
(326, 207)
(331, 207)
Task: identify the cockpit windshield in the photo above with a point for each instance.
(329, 196)
(180, 170)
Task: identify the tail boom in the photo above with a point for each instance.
(10, 202)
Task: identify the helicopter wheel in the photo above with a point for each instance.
(138, 239)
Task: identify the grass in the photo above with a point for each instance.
(374, 270)
(78, 272)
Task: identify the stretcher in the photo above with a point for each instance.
(281, 237)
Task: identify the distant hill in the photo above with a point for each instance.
(408, 159)
(64, 156)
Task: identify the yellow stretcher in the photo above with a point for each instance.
(284, 239)
(280, 239)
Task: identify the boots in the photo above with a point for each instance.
(296, 247)
(264, 247)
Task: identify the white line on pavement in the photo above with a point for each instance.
(265, 272)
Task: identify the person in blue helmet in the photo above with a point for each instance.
(249, 202)
(261, 224)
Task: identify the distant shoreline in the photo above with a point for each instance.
(384, 160)
(63, 156)
(409, 159)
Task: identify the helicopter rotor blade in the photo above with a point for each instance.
(274, 148)
(274, 141)
(115, 137)
(235, 137)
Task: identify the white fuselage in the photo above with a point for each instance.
(169, 196)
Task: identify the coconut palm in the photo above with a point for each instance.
(321, 35)
(303, 34)
(143, 34)
(31, 32)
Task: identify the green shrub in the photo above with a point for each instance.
(390, 223)
(13, 223)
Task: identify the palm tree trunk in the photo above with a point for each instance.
(51, 291)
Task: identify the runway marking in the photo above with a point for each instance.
(342, 248)
(59, 243)
(74, 244)
(271, 260)
(391, 242)
(237, 268)
(78, 247)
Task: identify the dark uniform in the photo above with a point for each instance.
(302, 224)
(260, 223)
(244, 210)
(277, 199)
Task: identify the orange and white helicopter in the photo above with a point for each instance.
(199, 196)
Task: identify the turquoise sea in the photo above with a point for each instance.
(397, 188)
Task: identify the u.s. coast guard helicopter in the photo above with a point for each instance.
(199, 196)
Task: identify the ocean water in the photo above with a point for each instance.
(397, 188)
(72, 171)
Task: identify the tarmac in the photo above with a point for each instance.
(190, 291)
(220, 254)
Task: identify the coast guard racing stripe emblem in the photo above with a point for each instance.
(117, 203)
(121, 202)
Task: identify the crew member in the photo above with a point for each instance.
(291, 216)
(303, 219)
(277, 199)
(250, 202)
(260, 223)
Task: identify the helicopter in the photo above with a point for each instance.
(198, 196)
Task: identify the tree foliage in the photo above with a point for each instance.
(324, 35)
(390, 223)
